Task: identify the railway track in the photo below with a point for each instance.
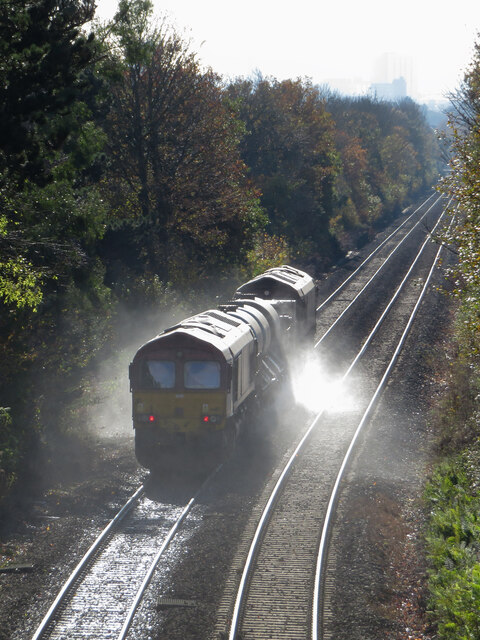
(279, 595)
(93, 604)
(100, 598)
(377, 261)
(384, 247)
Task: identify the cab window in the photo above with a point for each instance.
(159, 374)
(202, 374)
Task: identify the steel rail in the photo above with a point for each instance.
(393, 298)
(134, 498)
(269, 506)
(65, 591)
(321, 557)
(84, 561)
(374, 252)
(369, 282)
(148, 577)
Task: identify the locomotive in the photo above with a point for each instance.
(193, 384)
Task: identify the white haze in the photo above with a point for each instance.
(327, 40)
(108, 410)
(109, 413)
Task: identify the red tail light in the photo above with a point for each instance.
(151, 418)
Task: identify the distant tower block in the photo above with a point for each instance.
(394, 90)
(392, 66)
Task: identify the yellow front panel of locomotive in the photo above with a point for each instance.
(189, 412)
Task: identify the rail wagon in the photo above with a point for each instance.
(287, 283)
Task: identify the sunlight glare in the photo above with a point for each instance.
(316, 390)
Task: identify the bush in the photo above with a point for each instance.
(453, 546)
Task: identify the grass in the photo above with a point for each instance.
(452, 499)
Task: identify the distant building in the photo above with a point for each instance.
(391, 66)
(394, 90)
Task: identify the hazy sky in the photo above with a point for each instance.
(324, 40)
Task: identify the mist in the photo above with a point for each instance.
(107, 403)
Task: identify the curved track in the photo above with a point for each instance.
(279, 593)
(279, 589)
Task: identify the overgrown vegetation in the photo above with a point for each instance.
(132, 179)
(453, 498)
(453, 542)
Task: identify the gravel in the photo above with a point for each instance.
(49, 526)
(379, 566)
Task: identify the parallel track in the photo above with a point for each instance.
(100, 598)
(327, 524)
(382, 245)
(274, 598)
(371, 279)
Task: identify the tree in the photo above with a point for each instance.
(289, 147)
(389, 155)
(45, 136)
(42, 55)
(176, 182)
(54, 308)
(463, 185)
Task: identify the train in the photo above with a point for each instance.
(193, 384)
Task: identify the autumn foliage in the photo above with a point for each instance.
(132, 175)
(452, 496)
